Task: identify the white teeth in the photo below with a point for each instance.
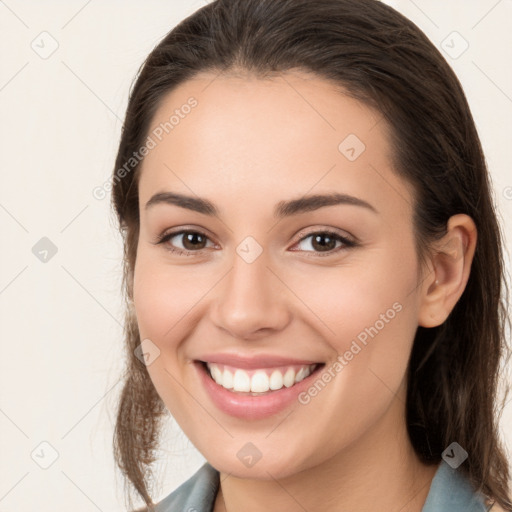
(241, 381)
(260, 382)
(276, 380)
(225, 379)
(301, 374)
(289, 378)
(216, 373)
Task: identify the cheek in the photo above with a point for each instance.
(162, 296)
(371, 318)
(368, 314)
(362, 299)
(162, 305)
(160, 302)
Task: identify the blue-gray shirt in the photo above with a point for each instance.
(450, 491)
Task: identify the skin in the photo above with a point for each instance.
(268, 140)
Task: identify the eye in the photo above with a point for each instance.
(192, 241)
(325, 242)
(195, 241)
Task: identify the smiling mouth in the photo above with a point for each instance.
(260, 381)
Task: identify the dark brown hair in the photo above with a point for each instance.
(384, 60)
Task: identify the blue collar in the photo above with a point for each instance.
(450, 491)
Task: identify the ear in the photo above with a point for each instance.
(446, 280)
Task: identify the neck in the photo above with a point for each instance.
(379, 471)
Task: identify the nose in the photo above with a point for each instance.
(251, 301)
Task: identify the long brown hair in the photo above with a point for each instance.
(385, 61)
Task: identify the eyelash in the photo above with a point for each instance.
(347, 244)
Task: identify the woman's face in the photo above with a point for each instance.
(262, 287)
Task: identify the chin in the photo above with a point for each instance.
(270, 466)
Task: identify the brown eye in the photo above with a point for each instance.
(191, 241)
(325, 242)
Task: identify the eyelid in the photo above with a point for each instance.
(167, 235)
(348, 241)
(178, 231)
(312, 231)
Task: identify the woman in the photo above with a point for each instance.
(313, 266)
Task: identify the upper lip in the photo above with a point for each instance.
(251, 362)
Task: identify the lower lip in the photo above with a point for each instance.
(252, 407)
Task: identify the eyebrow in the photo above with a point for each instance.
(281, 210)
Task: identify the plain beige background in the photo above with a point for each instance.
(66, 71)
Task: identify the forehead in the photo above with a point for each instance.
(232, 136)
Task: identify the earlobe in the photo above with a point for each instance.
(451, 261)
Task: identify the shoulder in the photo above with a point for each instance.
(451, 490)
(197, 493)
